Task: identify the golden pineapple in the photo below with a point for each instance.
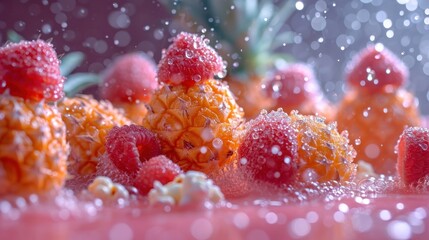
(195, 116)
(33, 147)
(196, 125)
(87, 121)
(324, 153)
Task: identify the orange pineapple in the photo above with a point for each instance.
(87, 121)
(194, 115)
(33, 147)
(375, 122)
(324, 153)
(376, 109)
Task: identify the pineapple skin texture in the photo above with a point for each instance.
(377, 120)
(323, 150)
(33, 147)
(87, 122)
(198, 126)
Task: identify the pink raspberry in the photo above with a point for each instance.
(131, 78)
(159, 168)
(294, 85)
(189, 60)
(129, 146)
(269, 149)
(375, 68)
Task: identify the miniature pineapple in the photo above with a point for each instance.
(194, 115)
(87, 121)
(33, 147)
(246, 33)
(377, 108)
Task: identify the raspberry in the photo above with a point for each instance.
(189, 60)
(293, 86)
(31, 70)
(131, 78)
(106, 168)
(129, 146)
(159, 168)
(375, 68)
(269, 149)
(413, 155)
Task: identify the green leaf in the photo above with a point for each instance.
(13, 36)
(77, 82)
(70, 62)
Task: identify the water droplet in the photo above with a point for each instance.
(196, 78)
(357, 141)
(217, 143)
(189, 54)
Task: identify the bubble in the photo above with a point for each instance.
(385, 215)
(372, 151)
(217, 143)
(241, 220)
(399, 230)
(271, 218)
(300, 227)
(121, 231)
(122, 38)
(318, 23)
(118, 19)
(299, 5)
(201, 229)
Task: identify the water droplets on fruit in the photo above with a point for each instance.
(217, 143)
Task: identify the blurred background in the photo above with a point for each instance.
(326, 33)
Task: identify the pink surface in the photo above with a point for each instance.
(384, 217)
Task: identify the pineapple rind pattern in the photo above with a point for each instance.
(198, 125)
(33, 147)
(88, 121)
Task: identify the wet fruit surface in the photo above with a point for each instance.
(158, 168)
(31, 70)
(324, 154)
(268, 151)
(413, 155)
(189, 60)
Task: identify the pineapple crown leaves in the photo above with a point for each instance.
(76, 82)
(247, 32)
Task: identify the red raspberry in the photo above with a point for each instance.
(413, 155)
(375, 68)
(269, 149)
(131, 78)
(189, 60)
(159, 168)
(129, 146)
(293, 85)
(31, 70)
(107, 168)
